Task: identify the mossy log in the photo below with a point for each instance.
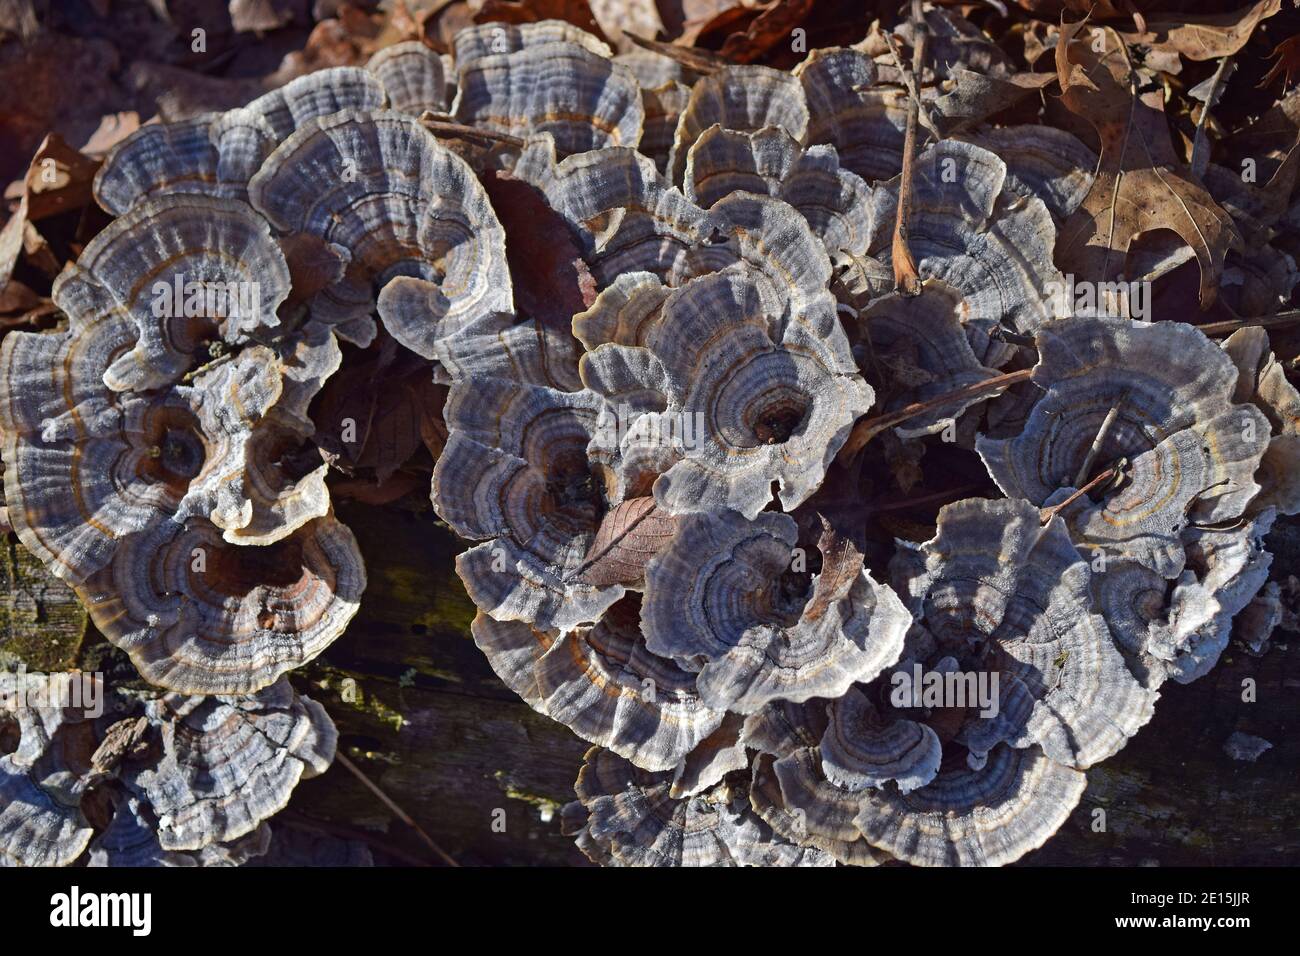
(422, 716)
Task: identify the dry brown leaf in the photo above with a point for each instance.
(1204, 37)
(619, 17)
(774, 25)
(258, 16)
(703, 19)
(367, 492)
(11, 241)
(16, 297)
(1140, 185)
(629, 536)
(577, 12)
(1287, 54)
(551, 280)
(59, 179)
(113, 128)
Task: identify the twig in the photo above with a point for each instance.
(1282, 320)
(703, 62)
(903, 504)
(1047, 514)
(910, 83)
(1201, 144)
(400, 813)
(906, 279)
(1097, 442)
(869, 428)
(447, 128)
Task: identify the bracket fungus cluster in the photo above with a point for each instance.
(655, 451)
(101, 775)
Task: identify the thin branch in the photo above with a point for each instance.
(398, 811)
(868, 428)
(906, 279)
(440, 127)
(1283, 320)
(1097, 442)
(948, 494)
(1047, 514)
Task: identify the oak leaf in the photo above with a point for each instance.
(1204, 37)
(1141, 186)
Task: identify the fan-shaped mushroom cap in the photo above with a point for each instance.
(87, 466)
(836, 203)
(1042, 161)
(991, 245)
(602, 683)
(866, 124)
(1000, 593)
(784, 726)
(1191, 454)
(41, 782)
(724, 594)
(861, 749)
(515, 473)
(131, 840)
(412, 76)
(964, 817)
(183, 270)
(1262, 381)
(78, 473)
(488, 39)
(583, 99)
(742, 98)
(635, 821)
(162, 158)
(1178, 629)
(411, 213)
(924, 351)
(713, 758)
(764, 390)
(217, 154)
(818, 815)
(229, 763)
(200, 616)
(37, 828)
(653, 69)
(252, 410)
(624, 213)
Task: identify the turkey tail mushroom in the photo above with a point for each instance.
(415, 221)
(603, 684)
(217, 153)
(729, 593)
(198, 615)
(964, 817)
(584, 100)
(229, 763)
